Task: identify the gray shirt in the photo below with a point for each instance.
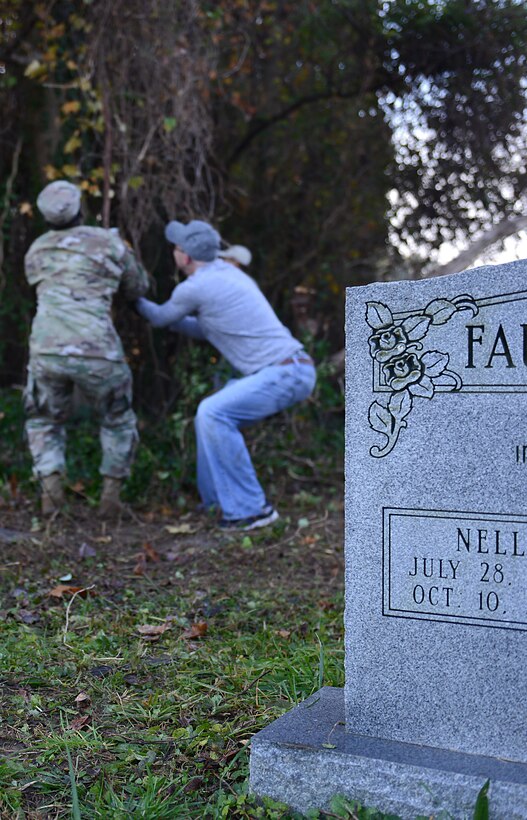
(220, 303)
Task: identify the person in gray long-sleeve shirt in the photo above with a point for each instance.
(220, 303)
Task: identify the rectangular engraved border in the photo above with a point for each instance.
(388, 611)
(379, 386)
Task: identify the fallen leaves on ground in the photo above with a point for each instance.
(101, 671)
(82, 700)
(85, 551)
(140, 567)
(153, 630)
(64, 590)
(27, 616)
(197, 630)
(78, 487)
(80, 722)
(193, 785)
(180, 529)
(150, 552)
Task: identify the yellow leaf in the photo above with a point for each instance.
(71, 107)
(72, 144)
(51, 172)
(135, 182)
(35, 69)
(26, 208)
(71, 65)
(71, 171)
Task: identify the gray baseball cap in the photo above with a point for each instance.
(197, 238)
(59, 202)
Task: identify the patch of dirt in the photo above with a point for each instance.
(303, 550)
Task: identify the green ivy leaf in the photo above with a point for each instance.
(169, 123)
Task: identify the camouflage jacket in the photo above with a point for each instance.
(77, 272)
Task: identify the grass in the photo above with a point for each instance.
(99, 721)
(169, 722)
(164, 726)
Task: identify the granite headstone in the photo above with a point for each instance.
(435, 699)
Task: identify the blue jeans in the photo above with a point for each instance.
(226, 476)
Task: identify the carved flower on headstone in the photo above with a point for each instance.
(388, 342)
(406, 370)
(403, 371)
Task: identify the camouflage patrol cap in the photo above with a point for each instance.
(59, 202)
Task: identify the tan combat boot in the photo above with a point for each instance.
(110, 503)
(52, 493)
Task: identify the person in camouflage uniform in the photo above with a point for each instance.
(76, 270)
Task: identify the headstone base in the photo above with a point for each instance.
(307, 757)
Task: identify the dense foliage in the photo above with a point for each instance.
(319, 134)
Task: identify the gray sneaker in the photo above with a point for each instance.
(268, 516)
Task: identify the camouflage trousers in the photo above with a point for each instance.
(48, 396)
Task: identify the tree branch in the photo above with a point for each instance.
(507, 227)
(260, 125)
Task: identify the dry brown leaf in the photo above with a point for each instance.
(82, 700)
(104, 539)
(197, 630)
(140, 567)
(193, 785)
(284, 633)
(27, 616)
(80, 722)
(150, 552)
(64, 590)
(78, 487)
(180, 529)
(153, 629)
(71, 107)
